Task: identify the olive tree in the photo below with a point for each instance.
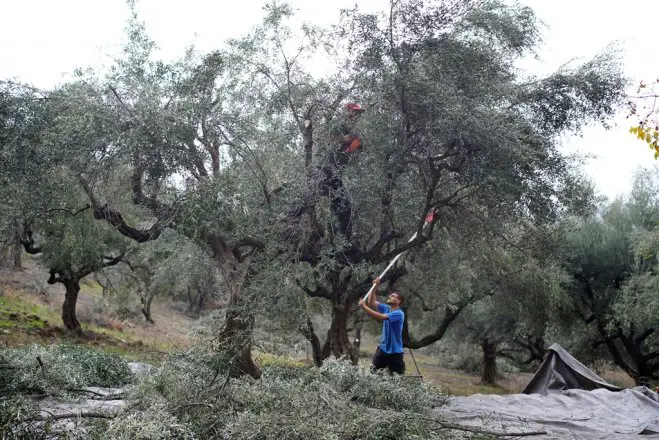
(229, 147)
(611, 259)
(451, 128)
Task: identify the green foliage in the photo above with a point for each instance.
(185, 396)
(612, 258)
(469, 359)
(54, 369)
(14, 411)
(77, 242)
(224, 146)
(151, 424)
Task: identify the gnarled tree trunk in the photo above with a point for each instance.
(308, 332)
(17, 253)
(235, 336)
(72, 286)
(146, 298)
(337, 342)
(489, 375)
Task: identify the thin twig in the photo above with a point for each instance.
(118, 396)
(91, 415)
(43, 369)
(446, 425)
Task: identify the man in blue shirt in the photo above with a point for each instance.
(390, 351)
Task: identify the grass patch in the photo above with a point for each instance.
(23, 322)
(266, 360)
(17, 315)
(12, 303)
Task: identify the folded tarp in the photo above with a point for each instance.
(566, 400)
(561, 371)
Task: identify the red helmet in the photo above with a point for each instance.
(353, 106)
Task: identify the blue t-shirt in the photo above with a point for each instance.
(391, 341)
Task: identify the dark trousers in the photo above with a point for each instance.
(331, 186)
(392, 361)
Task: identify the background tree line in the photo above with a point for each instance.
(205, 173)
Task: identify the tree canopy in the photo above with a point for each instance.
(235, 150)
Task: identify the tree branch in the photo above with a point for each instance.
(116, 219)
(649, 357)
(450, 314)
(27, 240)
(111, 261)
(93, 415)
(385, 238)
(123, 104)
(318, 292)
(68, 211)
(54, 278)
(309, 334)
(139, 198)
(643, 336)
(447, 425)
(254, 243)
(424, 306)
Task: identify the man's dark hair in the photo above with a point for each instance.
(400, 295)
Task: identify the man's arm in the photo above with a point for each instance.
(372, 313)
(372, 298)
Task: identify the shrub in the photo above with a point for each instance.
(469, 360)
(151, 424)
(337, 401)
(13, 412)
(54, 369)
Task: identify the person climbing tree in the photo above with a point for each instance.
(344, 142)
(389, 353)
(347, 141)
(345, 134)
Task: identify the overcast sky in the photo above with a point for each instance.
(42, 40)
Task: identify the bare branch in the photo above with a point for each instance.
(116, 219)
(68, 211)
(253, 243)
(123, 104)
(27, 240)
(91, 415)
(450, 314)
(318, 292)
(454, 426)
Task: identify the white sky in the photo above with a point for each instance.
(42, 40)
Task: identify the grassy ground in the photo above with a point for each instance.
(24, 322)
(32, 315)
(451, 381)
